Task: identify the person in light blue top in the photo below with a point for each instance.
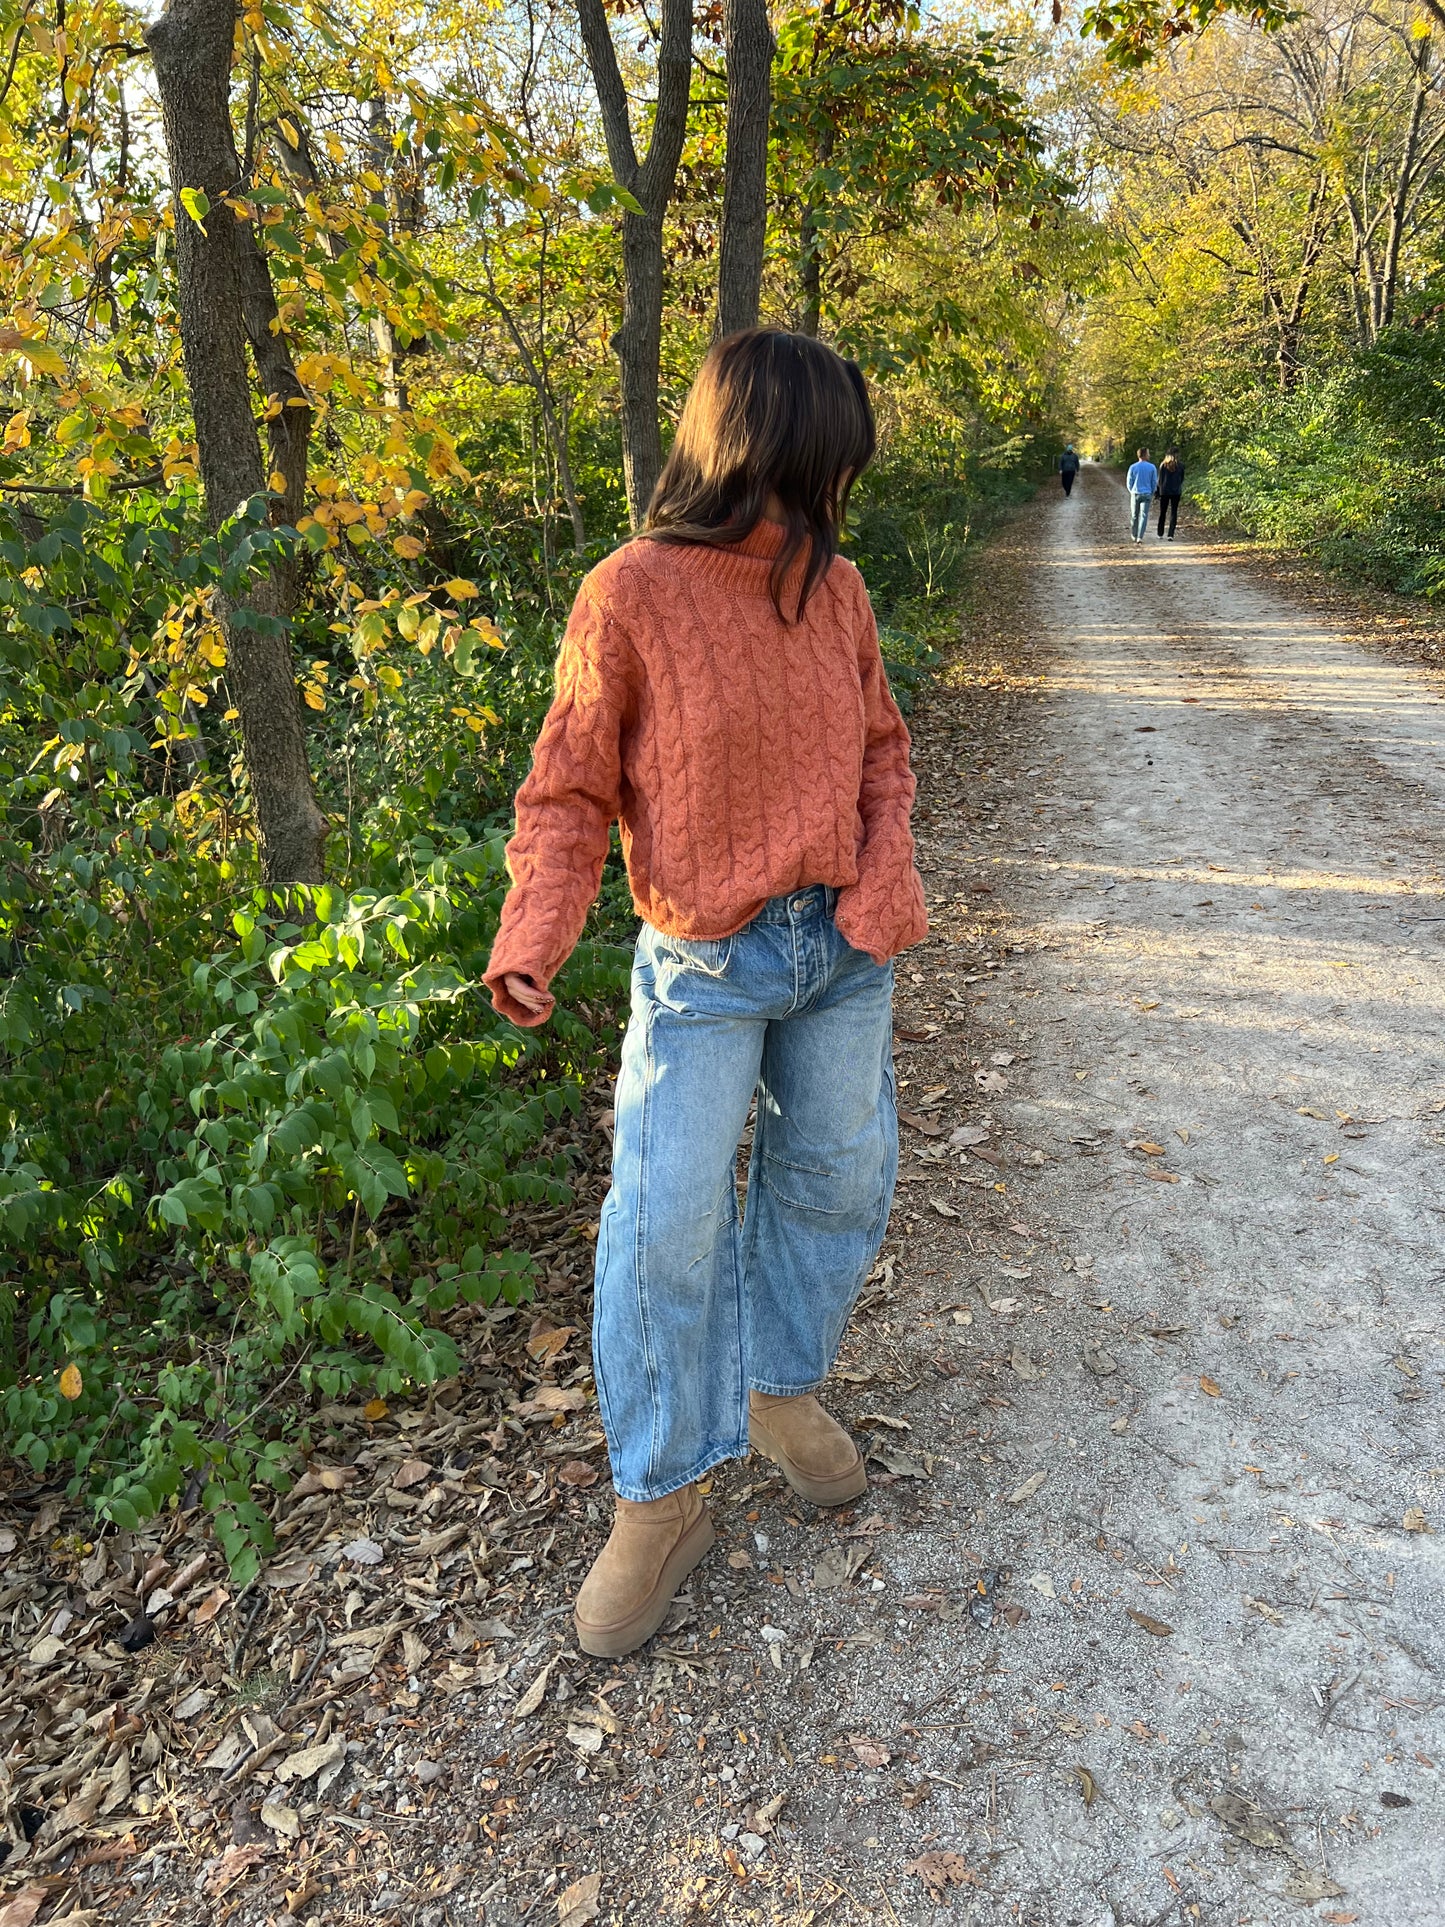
(1142, 482)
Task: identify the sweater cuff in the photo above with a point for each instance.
(882, 920)
(503, 1001)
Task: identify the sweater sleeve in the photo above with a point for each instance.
(883, 912)
(565, 808)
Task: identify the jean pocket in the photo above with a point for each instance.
(706, 956)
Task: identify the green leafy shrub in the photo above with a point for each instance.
(1349, 467)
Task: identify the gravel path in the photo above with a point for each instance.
(1143, 1619)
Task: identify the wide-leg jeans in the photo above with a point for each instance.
(694, 1305)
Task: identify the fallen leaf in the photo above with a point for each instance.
(1415, 1520)
(577, 1472)
(922, 1124)
(374, 1409)
(222, 1872)
(901, 1464)
(940, 1871)
(45, 1651)
(312, 1760)
(768, 1812)
(968, 1135)
(1100, 1362)
(547, 1344)
(1309, 1884)
(1144, 1145)
(944, 1210)
(1088, 1785)
(1041, 1582)
(210, 1606)
(411, 1472)
(869, 1752)
(1023, 1366)
(1001, 1057)
(281, 1819)
(885, 1419)
(740, 1561)
(297, 1897)
(534, 1695)
(581, 1902)
(557, 1398)
(837, 1566)
(1247, 1822)
(22, 1908)
(990, 1082)
(1209, 1386)
(586, 1739)
(71, 1383)
(1151, 1625)
(363, 1552)
(1027, 1490)
(282, 1574)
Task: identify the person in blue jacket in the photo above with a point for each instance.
(1142, 482)
(1068, 467)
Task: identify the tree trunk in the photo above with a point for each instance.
(383, 335)
(750, 47)
(1400, 203)
(638, 342)
(810, 247)
(226, 299)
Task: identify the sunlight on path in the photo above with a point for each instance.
(1236, 1073)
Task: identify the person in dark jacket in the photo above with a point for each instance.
(1171, 487)
(1068, 467)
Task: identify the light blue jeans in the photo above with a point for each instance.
(694, 1307)
(1139, 523)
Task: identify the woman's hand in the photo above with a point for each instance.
(526, 993)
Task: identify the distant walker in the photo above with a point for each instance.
(1143, 481)
(1068, 467)
(1171, 487)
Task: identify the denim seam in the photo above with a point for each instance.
(885, 1195)
(639, 1260)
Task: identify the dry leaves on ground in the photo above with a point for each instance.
(581, 1902)
(940, 1871)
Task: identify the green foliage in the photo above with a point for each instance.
(1134, 31)
(256, 1150)
(1349, 467)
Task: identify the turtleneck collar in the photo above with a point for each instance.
(742, 567)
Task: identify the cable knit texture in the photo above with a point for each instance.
(743, 755)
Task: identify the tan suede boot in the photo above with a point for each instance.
(811, 1450)
(653, 1546)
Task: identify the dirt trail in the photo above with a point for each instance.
(1143, 1620)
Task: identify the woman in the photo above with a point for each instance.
(720, 692)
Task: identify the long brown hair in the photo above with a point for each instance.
(770, 414)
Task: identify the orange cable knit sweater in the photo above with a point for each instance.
(744, 756)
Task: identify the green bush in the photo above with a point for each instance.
(1349, 467)
(256, 1148)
